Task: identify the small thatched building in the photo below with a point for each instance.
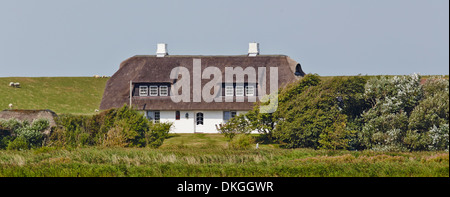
(30, 116)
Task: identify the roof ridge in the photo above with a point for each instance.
(168, 56)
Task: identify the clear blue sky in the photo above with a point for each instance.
(328, 37)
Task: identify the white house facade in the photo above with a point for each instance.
(192, 121)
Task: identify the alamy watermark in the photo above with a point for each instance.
(212, 92)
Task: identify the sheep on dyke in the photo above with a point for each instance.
(15, 85)
(10, 106)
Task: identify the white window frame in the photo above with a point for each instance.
(161, 91)
(229, 90)
(250, 90)
(239, 90)
(143, 90)
(150, 91)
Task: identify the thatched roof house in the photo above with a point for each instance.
(30, 116)
(146, 79)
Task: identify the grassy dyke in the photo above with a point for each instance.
(77, 95)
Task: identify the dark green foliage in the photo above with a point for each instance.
(296, 88)
(122, 127)
(337, 135)
(72, 131)
(317, 116)
(234, 126)
(5, 136)
(158, 132)
(241, 141)
(19, 143)
(17, 134)
(265, 123)
(388, 113)
(428, 122)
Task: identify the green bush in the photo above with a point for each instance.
(241, 141)
(72, 131)
(14, 129)
(122, 127)
(236, 125)
(405, 115)
(33, 133)
(20, 143)
(317, 116)
(428, 122)
(439, 138)
(336, 136)
(433, 110)
(5, 135)
(157, 134)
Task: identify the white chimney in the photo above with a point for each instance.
(161, 50)
(253, 49)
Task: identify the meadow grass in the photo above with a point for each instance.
(183, 156)
(77, 95)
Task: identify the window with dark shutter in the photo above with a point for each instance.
(199, 118)
(177, 115)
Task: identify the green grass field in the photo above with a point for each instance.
(77, 95)
(207, 155)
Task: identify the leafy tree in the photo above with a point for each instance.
(393, 94)
(336, 136)
(265, 123)
(428, 122)
(403, 112)
(316, 117)
(236, 125)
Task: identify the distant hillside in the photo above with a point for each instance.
(78, 95)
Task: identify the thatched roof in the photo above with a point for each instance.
(152, 69)
(30, 116)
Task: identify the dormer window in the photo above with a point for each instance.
(143, 90)
(163, 91)
(239, 90)
(153, 90)
(249, 90)
(229, 90)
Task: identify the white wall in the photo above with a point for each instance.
(184, 125)
(188, 125)
(210, 119)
